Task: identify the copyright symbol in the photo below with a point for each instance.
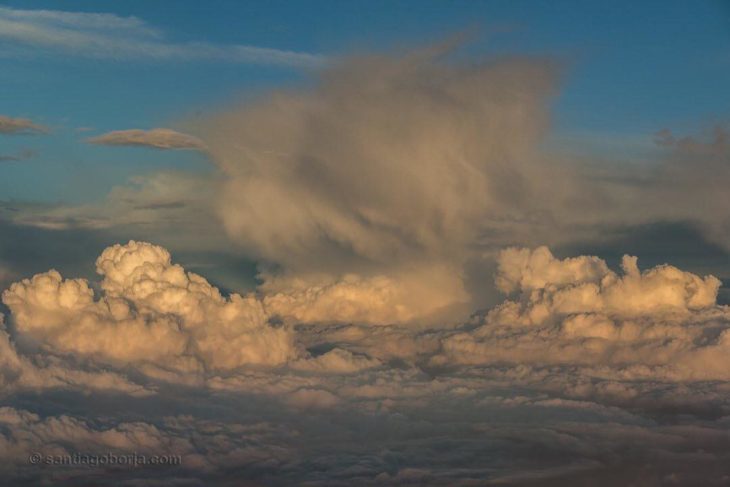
(35, 458)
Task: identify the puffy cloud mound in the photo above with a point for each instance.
(524, 269)
(20, 372)
(585, 284)
(578, 312)
(156, 138)
(151, 311)
(423, 293)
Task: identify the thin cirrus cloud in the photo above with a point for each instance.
(20, 126)
(158, 138)
(108, 36)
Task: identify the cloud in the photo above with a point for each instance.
(156, 138)
(20, 126)
(23, 155)
(692, 181)
(580, 361)
(152, 312)
(341, 179)
(659, 322)
(331, 172)
(373, 200)
(22, 372)
(108, 36)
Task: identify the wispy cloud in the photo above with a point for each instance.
(156, 138)
(108, 36)
(18, 126)
(23, 155)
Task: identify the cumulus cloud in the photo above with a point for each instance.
(580, 360)
(158, 138)
(152, 311)
(109, 36)
(20, 126)
(22, 372)
(426, 295)
(577, 311)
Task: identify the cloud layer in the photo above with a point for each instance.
(609, 362)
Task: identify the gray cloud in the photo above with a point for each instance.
(158, 138)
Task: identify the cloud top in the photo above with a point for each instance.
(577, 311)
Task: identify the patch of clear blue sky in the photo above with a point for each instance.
(634, 67)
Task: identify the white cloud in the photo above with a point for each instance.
(109, 36)
(158, 138)
(21, 372)
(583, 362)
(152, 312)
(578, 312)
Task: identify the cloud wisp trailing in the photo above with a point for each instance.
(108, 36)
(158, 138)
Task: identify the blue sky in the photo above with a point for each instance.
(632, 68)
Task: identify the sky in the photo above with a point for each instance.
(365, 243)
(632, 68)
